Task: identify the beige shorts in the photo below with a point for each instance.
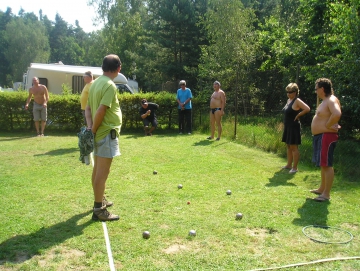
(39, 112)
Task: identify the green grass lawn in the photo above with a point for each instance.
(47, 199)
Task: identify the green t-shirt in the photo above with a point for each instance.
(103, 91)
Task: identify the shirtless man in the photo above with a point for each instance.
(217, 106)
(324, 128)
(41, 98)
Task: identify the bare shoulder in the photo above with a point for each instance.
(299, 101)
(333, 102)
(334, 99)
(42, 87)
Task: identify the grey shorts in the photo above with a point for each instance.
(39, 112)
(107, 147)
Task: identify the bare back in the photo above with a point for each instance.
(327, 114)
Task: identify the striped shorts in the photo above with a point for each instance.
(323, 149)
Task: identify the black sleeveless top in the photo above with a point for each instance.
(291, 134)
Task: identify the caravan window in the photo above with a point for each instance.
(43, 81)
(77, 84)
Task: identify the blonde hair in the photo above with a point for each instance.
(293, 87)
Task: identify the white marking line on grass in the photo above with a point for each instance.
(106, 234)
(108, 248)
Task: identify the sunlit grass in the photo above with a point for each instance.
(46, 223)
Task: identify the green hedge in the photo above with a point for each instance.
(64, 112)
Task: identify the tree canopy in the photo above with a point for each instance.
(254, 47)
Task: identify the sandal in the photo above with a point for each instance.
(315, 191)
(321, 199)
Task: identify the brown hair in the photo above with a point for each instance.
(88, 73)
(326, 84)
(111, 63)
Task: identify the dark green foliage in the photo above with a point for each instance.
(174, 27)
(255, 48)
(64, 112)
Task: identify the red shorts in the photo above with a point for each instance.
(324, 145)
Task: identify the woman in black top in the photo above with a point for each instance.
(293, 110)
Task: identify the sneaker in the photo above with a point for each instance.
(107, 203)
(103, 215)
(189, 133)
(292, 171)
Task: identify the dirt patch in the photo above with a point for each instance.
(349, 226)
(56, 253)
(258, 232)
(175, 248)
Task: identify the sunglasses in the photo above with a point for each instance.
(290, 91)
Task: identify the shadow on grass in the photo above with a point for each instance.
(59, 152)
(156, 133)
(20, 248)
(312, 213)
(281, 177)
(205, 142)
(13, 138)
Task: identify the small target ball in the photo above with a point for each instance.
(192, 233)
(146, 235)
(188, 202)
(239, 216)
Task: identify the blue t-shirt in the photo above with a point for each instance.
(182, 96)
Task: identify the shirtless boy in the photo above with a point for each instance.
(41, 98)
(217, 107)
(324, 128)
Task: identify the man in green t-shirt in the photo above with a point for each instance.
(103, 117)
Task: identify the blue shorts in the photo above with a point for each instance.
(107, 147)
(323, 149)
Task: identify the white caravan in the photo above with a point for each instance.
(53, 76)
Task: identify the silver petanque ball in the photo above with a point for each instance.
(146, 235)
(228, 192)
(180, 186)
(192, 233)
(239, 216)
